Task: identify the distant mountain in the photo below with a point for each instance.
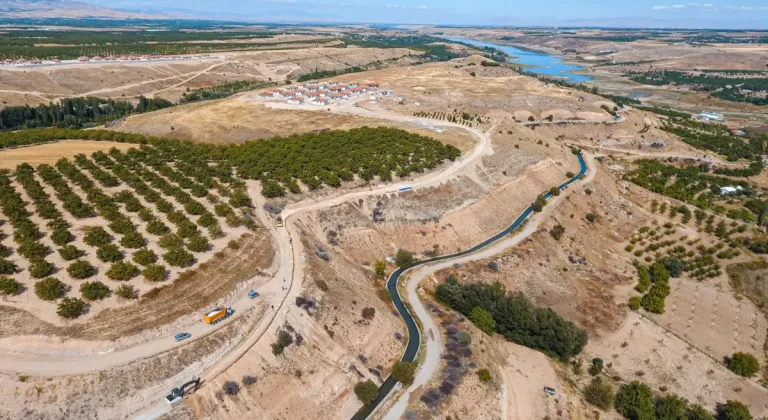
(67, 9)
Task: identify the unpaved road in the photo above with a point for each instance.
(432, 335)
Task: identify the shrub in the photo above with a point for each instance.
(186, 229)
(49, 288)
(126, 291)
(154, 272)
(404, 259)
(404, 372)
(40, 268)
(7, 267)
(81, 269)
(554, 191)
(653, 303)
(62, 236)
(284, 340)
(733, 410)
(207, 220)
(170, 241)
(122, 270)
(70, 252)
(71, 308)
(635, 302)
(671, 407)
(366, 391)
(597, 367)
(157, 228)
(9, 286)
(368, 313)
(463, 337)
(697, 412)
(94, 290)
(380, 267)
(249, 380)
(557, 231)
(30, 249)
(673, 265)
(539, 204)
(484, 375)
(109, 253)
(133, 240)
(198, 243)
(97, 236)
(743, 364)
(231, 388)
(144, 256)
(178, 257)
(635, 401)
(591, 217)
(599, 393)
(483, 320)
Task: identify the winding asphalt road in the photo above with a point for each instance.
(432, 357)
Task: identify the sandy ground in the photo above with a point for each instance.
(19, 86)
(50, 153)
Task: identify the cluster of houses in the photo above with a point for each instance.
(98, 59)
(323, 93)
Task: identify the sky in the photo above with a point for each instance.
(649, 13)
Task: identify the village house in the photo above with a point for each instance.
(320, 102)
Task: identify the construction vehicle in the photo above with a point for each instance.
(177, 394)
(253, 294)
(218, 314)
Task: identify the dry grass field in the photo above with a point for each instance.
(50, 153)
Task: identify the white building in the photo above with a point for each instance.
(712, 116)
(296, 101)
(730, 190)
(320, 102)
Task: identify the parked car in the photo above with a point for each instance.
(548, 390)
(182, 336)
(253, 294)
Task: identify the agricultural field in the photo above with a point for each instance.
(98, 224)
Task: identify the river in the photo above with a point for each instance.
(537, 62)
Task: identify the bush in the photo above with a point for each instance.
(94, 290)
(70, 252)
(284, 340)
(404, 259)
(7, 267)
(671, 407)
(144, 256)
(597, 367)
(600, 394)
(71, 308)
(122, 270)
(97, 237)
(733, 410)
(463, 337)
(49, 288)
(557, 231)
(231, 388)
(697, 412)
(635, 302)
(81, 269)
(366, 391)
(170, 241)
(157, 228)
(154, 272)
(198, 243)
(554, 191)
(40, 268)
(635, 401)
(9, 286)
(368, 313)
(380, 267)
(178, 257)
(483, 320)
(404, 372)
(126, 291)
(109, 253)
(592, 218)
(62, 236)
(249, 380)
(133, 240)
(539, 204)
(743, 364)
(484, 375)
(32, 249)
(673, 265)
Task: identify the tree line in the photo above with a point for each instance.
(492, 309)
(75, 112)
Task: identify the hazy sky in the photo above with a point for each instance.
(728, 13)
